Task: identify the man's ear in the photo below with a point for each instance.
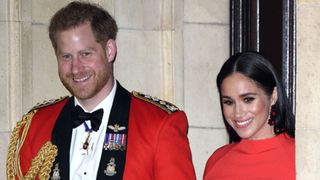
(111, 50)
(274, 96)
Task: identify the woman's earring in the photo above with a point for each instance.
(272, 116)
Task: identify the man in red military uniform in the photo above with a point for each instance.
(102, 131)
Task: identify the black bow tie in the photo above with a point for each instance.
(80, 117)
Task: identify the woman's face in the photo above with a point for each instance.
(246, 107)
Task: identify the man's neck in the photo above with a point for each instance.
(91, 103)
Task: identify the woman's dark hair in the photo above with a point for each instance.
(256, 67)
(76, 13)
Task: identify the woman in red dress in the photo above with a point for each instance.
(259, 122)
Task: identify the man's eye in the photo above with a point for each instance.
(85, 54)
(66, 56)
(248, 99)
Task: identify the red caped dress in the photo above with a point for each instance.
(272, 158)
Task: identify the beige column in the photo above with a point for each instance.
(308, 90)
(10, 77)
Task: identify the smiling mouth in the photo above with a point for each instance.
(243, 123)
(82, 79)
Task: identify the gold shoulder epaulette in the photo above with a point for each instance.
(168, 107)
(48, 103)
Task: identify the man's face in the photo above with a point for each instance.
(85, 66)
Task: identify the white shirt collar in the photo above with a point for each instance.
(105, 104)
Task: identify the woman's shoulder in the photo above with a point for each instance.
(288, 139)
(223, 150)
(287, 144)
(219, 153)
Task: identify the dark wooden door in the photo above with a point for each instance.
(267, 26)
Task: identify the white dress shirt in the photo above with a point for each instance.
(84, 164)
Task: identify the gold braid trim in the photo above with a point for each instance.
(164, 105)
(15, 146)
(40, 165)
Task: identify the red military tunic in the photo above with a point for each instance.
(157, 144)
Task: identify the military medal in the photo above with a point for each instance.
(111, 167)
(56, 173)
(85, 145)
(116, 128)
(115, 141)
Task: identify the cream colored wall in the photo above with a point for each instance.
(308, 89)
(171, 49)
